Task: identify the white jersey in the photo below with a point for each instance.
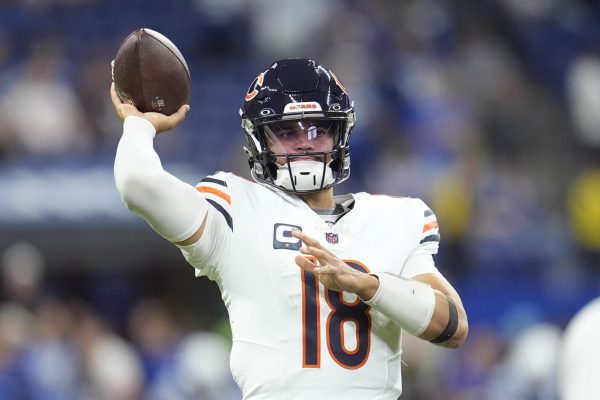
(292, 337)
(580, 355)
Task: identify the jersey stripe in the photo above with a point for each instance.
(216, 192)
(429, 226)
(430, 232)
(220, 209)
(431, 238)
(213, 180)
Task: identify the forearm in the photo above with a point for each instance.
(448, 326)
(449, 316)
(173, 208)
(408, 303)
(417, 308)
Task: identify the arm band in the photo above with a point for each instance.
(408, 303)
(174, 209)
(452, 325)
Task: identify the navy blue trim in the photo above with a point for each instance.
(222, 211)
(431, 238)
(452, 325)
(428, 213)
(213, 180)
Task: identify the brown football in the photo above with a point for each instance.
(151, 73)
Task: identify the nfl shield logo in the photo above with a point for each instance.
(331, 237)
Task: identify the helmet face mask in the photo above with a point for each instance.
(297, 119)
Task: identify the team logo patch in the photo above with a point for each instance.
(332, 238)
(283, 239)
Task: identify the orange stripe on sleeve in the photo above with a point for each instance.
(216, 192)
(430, 226)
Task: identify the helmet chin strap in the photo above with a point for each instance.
(304, 175)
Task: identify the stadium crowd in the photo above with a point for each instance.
(487, 110)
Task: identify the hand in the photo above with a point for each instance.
(333, 272)
(160, 121)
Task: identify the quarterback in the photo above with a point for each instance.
(319, 288)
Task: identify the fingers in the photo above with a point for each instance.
(305, 264)
(314, 248)
(311, 267)
(174, 119)
(123, 109)
(312, 244)
(321, 255)
(183, 109)
(309, 241)
(179, 115)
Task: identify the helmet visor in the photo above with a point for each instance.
(302, 136)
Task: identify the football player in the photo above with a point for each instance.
(319, 288)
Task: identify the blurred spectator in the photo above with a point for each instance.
(22, 274)
(47, 367)
(156, 336)
(41, 112)
(110, 367)
(7, 60)
(15, 332)
(584, 215)
(179, 365)
(584, 98)
(422, 373)
(91, 88)
(506, 233)
(466, 375)
(200, 371)
(286, 28)
(529, 370)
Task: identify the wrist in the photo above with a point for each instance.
(407, 302)
(139, 124)
(369, 287)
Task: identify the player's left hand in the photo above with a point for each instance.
(333, 272)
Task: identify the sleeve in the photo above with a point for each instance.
(429, 242)
(173, 208)
(420, 261)
(216, 191)
(209, 254)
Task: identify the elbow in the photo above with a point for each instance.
(459, 338)
(126, 184)
(135, 189)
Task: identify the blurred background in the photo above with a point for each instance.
(487, 110)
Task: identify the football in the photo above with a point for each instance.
(151, 73)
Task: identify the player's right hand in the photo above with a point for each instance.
(332, 272)
(160, 121)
